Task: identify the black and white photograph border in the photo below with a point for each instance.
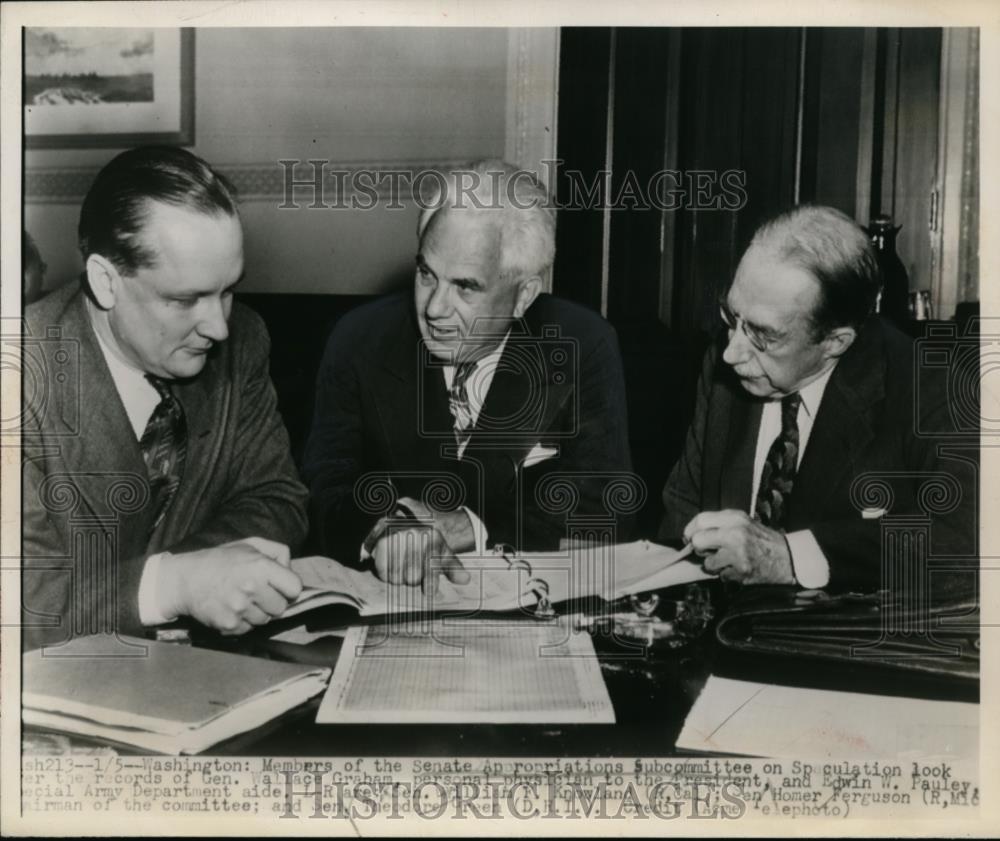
(330, 193)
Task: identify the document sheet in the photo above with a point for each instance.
(759, 719)
(466, 671)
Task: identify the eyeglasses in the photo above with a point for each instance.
(758, 338)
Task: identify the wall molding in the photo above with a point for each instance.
(532, 98)
(263, 181)
(532, 103)
(956, 236)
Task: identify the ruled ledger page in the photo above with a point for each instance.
(467, 671)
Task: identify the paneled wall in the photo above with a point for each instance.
(854, 118)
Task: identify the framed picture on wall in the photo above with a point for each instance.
(88, 87)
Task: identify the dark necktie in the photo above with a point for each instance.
(458, 402)
(164, 448)
(779, 468)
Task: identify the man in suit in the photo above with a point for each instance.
(476, 404)
(158, 481)
(811, 395)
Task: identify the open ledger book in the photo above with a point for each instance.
(501, 582)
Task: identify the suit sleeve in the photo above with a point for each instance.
(265, 497)
(682, 495)
(59, 587)
(332, 461)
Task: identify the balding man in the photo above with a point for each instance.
(812, 394)
(460, 398)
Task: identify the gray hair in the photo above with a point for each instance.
(836, 251)
(510, 199)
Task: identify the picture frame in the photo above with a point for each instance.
(90, 88)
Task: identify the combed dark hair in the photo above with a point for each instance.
(835, 250)
(117, 204)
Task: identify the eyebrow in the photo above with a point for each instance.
(768, 333)
(184, 294)
(473, 282)
(422, 264)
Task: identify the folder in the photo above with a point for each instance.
(158, 696)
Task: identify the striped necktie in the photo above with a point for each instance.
(778, 474)
(458, 402)
(164, 448)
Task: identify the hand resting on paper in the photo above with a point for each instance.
(739, 548)
(419, 553)
(230, 588)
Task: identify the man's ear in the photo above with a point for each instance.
(838, 340)
(104, 280)
(527, 292)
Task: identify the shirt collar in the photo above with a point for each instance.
(487, 362)
(137, 394)
(812, 394)
(121, 371)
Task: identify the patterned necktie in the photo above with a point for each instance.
(164, 448)
(779, 468)
(458, 402)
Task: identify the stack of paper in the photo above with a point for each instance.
(464, 671)
(158, 696)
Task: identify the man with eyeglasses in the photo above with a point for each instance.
(811, 393)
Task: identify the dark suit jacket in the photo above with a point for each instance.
(382, 408)
(85, 485)
(870, 421)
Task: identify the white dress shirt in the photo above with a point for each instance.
(136, 392)
(808, 561)
(139, 399)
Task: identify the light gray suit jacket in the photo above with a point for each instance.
(87, 524)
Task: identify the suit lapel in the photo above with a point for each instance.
(206, 402)
(105, 452)
(529, 389)
(843, 424)
(407, 384)
(740, 447)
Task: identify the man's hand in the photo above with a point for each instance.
(417, 554)
(739, 548)
(232, 587)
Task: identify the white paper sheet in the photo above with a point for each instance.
(464, 671)
(759, 719)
